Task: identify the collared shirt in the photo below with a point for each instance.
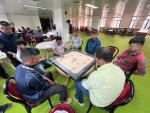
(60, 49)
(105, 85)
(92, 45)
(30, 83)
(76, 42)
(128, 60)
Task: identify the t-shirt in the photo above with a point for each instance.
(105, 85)
(76, 42)
(92, 45)
(59, 48)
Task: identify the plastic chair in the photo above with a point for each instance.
(64, 107)
(125, 97)
(115, 50)
(11, 92)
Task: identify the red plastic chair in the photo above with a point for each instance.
(125, 97)
(64, 107)
(37, 40)
(114, 50)
(11, 92)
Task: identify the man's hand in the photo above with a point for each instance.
(115, 59)
(11, 53)
(50, 82)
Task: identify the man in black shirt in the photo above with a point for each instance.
(8, 41)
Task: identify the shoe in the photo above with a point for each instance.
(68, 101)
(6, 106)
(80, 103)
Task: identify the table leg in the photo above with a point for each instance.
(67, 81)
(46, 53)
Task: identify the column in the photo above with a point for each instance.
(95, 19)
(60, 19)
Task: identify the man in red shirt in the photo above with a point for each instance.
(133, 58)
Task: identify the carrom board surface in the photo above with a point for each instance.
(74, 63)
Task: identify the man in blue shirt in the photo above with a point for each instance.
(31, 84)
(8, 41)
(93, 43)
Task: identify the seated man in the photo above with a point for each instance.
(93, 43)
(76, 41)
(31, 84)
(59, 46)
(103, 86)
(44, 63)
(133, 57)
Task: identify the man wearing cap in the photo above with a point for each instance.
(93, 43)
(132, 57)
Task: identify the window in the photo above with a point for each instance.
(88, 17)
(116, 22)
(133, 22)
(119, 13)
(137, 14)
(146, 24)
(104, 15)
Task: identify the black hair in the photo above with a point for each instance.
(104, 53)
(138, 40)
(28, 53)
(58, 38)
(21, 42)
(94, 31)
(68, 21)
(4, 23)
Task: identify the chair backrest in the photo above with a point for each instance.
(130, 72)
(125, 97)
(115, 50)
(11, 92)
(64, 107)
(37, 40)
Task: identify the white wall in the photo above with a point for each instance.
(26, 21)
(3, 17)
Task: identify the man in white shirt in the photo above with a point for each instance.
(59, 46)
(50, 36)
(76, 41)
(104, 85)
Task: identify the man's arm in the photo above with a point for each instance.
(98, 44)
(141, 66)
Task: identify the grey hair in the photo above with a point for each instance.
(28, 53)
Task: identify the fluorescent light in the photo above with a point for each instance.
(91, 6)
(32, 6)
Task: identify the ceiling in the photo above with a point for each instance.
(73, 7)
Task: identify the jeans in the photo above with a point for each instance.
(80, 90)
